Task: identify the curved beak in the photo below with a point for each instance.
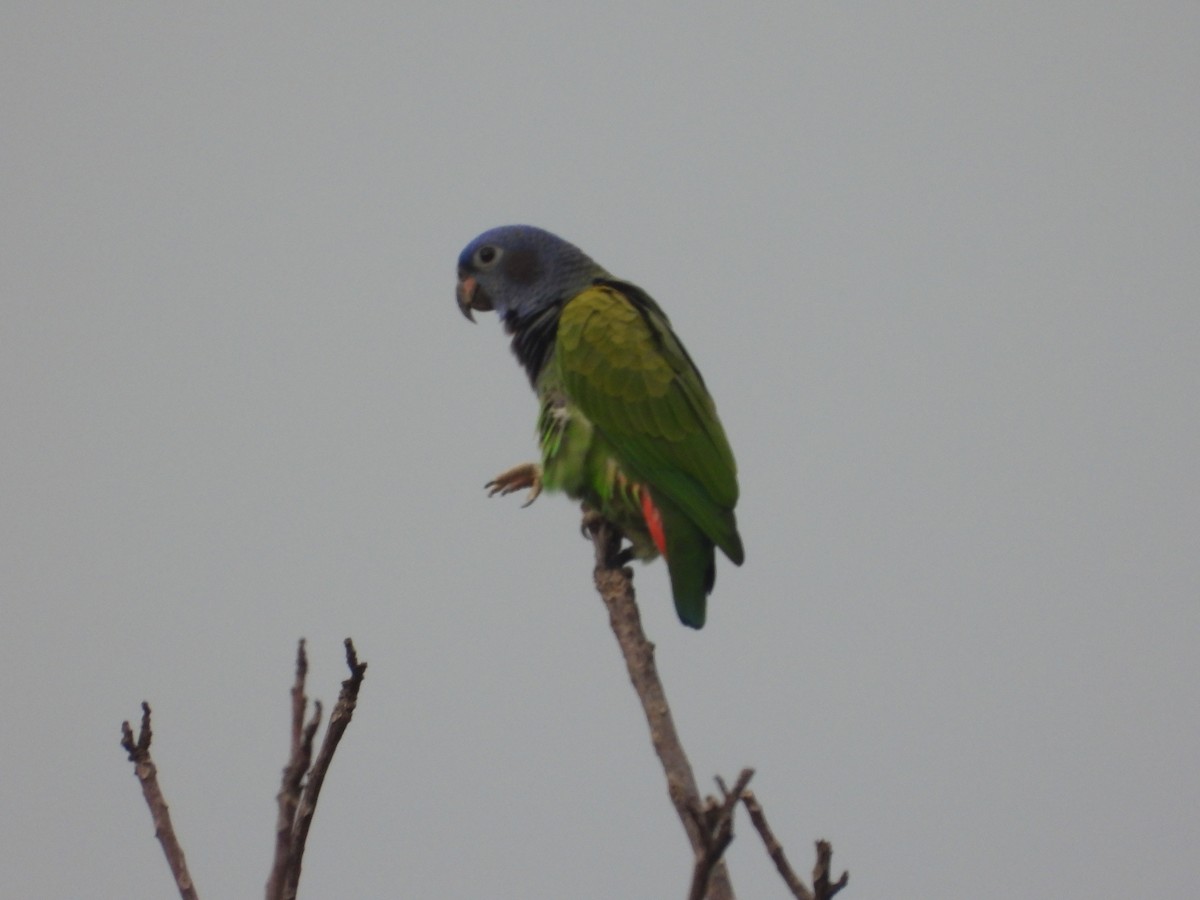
(470, 296)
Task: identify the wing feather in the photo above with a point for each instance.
(627, 372)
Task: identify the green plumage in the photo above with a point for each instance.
(624, 409)
(625, 424)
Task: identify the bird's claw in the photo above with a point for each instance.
(526, 475)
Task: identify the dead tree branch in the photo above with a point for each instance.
(339, 720)
(614, 583)
(299, 790)
(147, 774)
(292, 784)
(301, 783)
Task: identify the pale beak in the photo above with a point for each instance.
(470, 296)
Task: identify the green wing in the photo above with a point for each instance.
(624, 368)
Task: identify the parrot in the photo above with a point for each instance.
(625, 423)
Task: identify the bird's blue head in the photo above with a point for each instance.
(519, 270)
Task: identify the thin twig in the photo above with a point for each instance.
(716, 826)
(614, 583)
(299, 757)
(774, 849)
(823, 889)
(147, 775)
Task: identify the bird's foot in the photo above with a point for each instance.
(526, 475)
(592, 523)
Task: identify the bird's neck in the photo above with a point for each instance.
(533, 337)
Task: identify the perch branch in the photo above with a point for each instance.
(614, 583)
(147, 775)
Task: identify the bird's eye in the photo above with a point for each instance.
(487, 255)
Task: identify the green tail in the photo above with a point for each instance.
(691, 563)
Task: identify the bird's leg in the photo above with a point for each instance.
(526, 475)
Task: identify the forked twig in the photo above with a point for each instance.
(147, 775)
(339, 719)
(715, 822)
(823, 889)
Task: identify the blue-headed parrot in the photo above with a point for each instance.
(626, 424)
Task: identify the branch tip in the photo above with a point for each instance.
(147, 775)
(305, 773)
(823, 888)
(357, 669)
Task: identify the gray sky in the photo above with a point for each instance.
(938, 264)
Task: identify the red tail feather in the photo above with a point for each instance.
(654, 522)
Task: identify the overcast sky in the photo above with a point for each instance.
(938, 263)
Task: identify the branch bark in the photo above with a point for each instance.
(716, 829)
(614, 583)
(147, 774)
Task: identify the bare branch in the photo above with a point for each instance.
(147, 775)
(614, 583)
(339, 719)
(299, 758)
(774, 849)
(299, 788)
(303, 776)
